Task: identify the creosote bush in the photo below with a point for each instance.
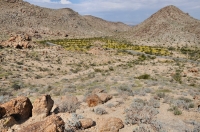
(144, 76)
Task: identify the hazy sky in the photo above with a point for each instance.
(127, 11)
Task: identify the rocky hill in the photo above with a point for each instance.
(169, 26)
(18, 16)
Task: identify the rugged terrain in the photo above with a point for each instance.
(97, 84)
(168, 27)
(17, 16)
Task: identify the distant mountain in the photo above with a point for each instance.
(169, 26)
(18, 16)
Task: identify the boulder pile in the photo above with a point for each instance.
(20, 115)
(19, 41)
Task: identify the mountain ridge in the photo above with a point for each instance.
(168, 26)
(19, 16)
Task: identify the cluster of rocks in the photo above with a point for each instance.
(20, 115)
(18, 41)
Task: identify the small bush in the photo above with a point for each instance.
(68, 105)
(100, 111)
(125, 89)
(140, 112)
(144, 76)
(175, 110)
(16, 86)
(187, 100)
(161, 95)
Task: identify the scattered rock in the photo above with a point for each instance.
(50, 124)
(20, 108)
(111, 124)
(86, 123)
(43, 105)
(104, 97)
(93, 100)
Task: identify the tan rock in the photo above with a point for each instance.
(93, 100)
(111, 124)
(42, 105)
(104, 97)
(86, 123)
(50, 124)
(20, 108)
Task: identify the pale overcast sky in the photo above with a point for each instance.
(127, 11)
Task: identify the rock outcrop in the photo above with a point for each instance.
(42, 106)
(20, 108)
(18, 41)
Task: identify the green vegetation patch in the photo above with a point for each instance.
(106, 43)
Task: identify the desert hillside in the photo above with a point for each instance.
(119, 82)
(168, 27)
(19, 16)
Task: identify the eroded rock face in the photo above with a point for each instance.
(20, 108)
(93, 100)
(111, 124)
(50, 124)
(43, 106)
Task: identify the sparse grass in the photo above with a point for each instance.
(163, 91)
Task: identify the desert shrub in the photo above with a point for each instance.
(16, 86)
(183, 102)
(73, 123)
(161, 95)
(144, 76)
(154, 103)
(147, 90)
(177, 76)
(100, 111)
(125, 89)
(68, 105)
(4, 98)
(175, 110)
(140, 112)
(155, 126)
(110, 105)
(187, 100)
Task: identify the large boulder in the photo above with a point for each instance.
(93, 100)
(50, 124)
(20, 108)
(111, 124)
(42, 106)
